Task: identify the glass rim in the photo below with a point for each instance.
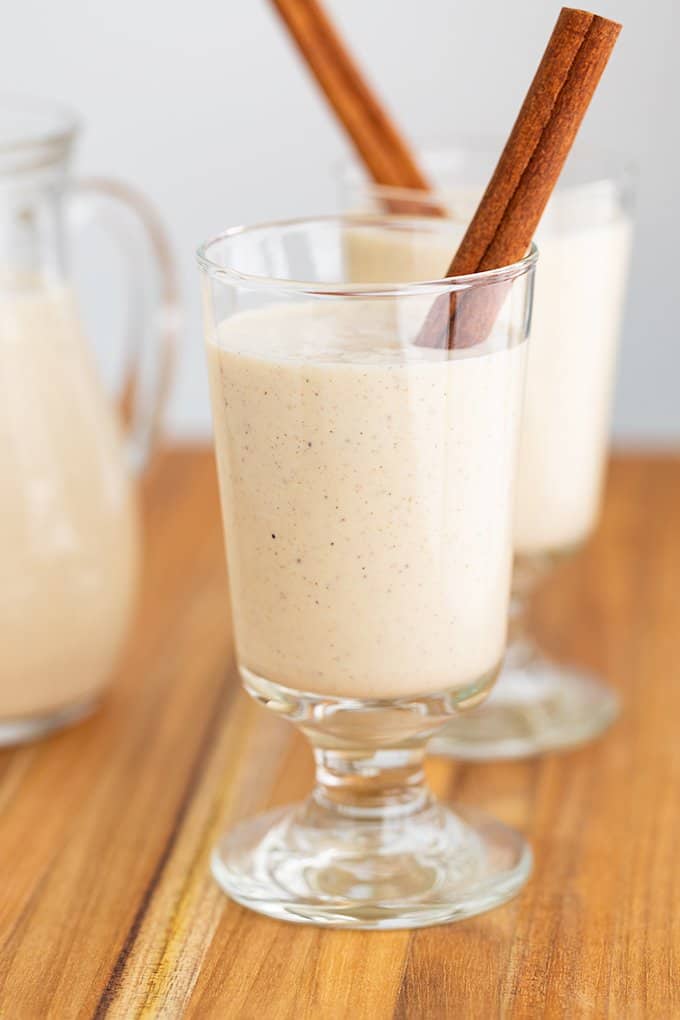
(320, 288)
(56, 125)
(615, 166)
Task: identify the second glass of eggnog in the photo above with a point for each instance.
(584, 239)
(367, 481)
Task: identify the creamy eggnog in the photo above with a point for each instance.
(366, 488)
(578, 301)
(68, 541)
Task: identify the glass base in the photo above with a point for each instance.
(534, 708)
(309, 865)
(22, 730)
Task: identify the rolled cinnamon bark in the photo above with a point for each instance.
(508, 214)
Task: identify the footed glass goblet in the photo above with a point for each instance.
(367, 486)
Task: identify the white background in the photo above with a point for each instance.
(205, 106)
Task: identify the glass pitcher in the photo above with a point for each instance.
(69, 535)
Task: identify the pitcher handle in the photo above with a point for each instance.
(150, 347)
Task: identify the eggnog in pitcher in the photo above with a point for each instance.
(68, 532)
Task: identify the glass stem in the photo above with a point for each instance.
(372, 784)
(522, 647)
(518, 623)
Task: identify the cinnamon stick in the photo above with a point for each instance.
(509, 212)
(501, 230)
(373, 133)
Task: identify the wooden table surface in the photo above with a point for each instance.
(108, 908)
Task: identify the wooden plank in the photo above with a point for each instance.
(108, 908)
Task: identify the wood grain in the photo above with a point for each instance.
(108, 908)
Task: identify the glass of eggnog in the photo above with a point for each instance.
(585, 239)
(367, 481)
